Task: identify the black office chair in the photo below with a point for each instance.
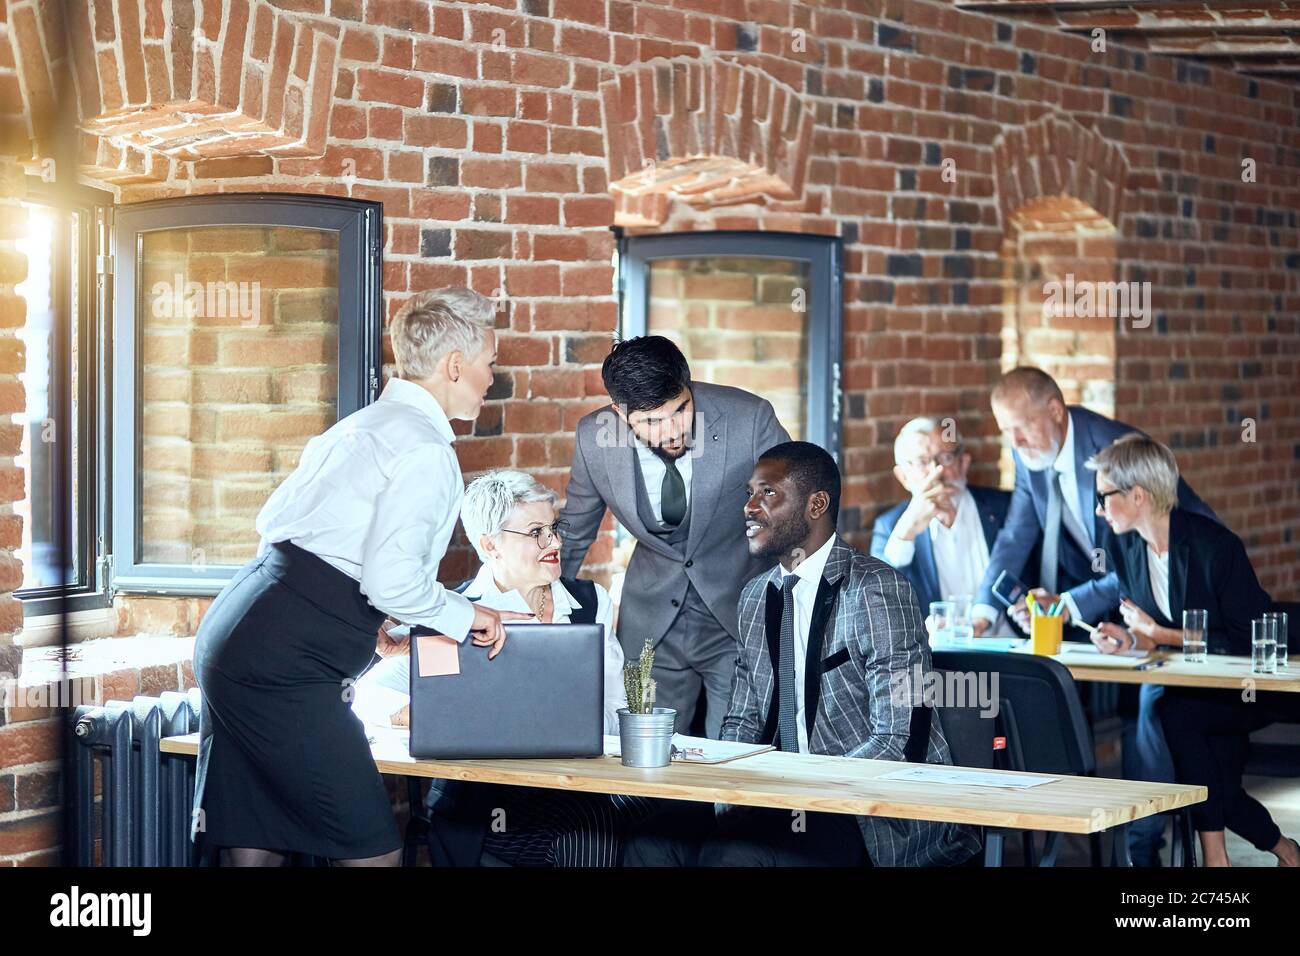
(1043, 729)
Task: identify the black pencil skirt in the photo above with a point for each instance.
(283, 762)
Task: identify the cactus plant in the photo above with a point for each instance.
(638, 682)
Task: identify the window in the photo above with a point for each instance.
(244, 326)
(757, 311)
(59, 432)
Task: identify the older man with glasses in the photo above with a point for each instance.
(940, 537)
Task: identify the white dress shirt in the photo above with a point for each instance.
(1069, 482)
(1158, 567)
(653, 470)
(385, 689)
(960, 553)
(809, 573)
(377, 496)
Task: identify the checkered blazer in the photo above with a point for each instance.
(871, 643)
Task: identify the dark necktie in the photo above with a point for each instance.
(672, 494)
(787, 725)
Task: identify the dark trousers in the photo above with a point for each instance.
(1209, 737)
(1145, 756)
(691, 834)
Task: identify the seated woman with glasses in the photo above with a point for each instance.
(1169, 560)
(510, 519)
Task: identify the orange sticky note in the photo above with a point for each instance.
(439, 656)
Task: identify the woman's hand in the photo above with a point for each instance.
(1137, 620)
(488, 629)
(1112, 639)
(402, 718)
(388, 646)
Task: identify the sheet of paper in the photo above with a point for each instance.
(966, 778)
(439, 656)
(1084, 659)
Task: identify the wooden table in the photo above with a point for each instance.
(810, 782)
(1219, 670)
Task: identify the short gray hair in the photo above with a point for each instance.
(922, 426)
(1040, 387)
(434, 324)
(491, 499)
(1134, 460)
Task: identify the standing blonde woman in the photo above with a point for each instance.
(355, 533)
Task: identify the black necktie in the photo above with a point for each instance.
(672, 494)
(787, 720)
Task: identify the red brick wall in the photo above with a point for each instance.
(493, 166)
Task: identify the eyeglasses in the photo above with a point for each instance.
(944, 458)
(1103, 495)
(544, 536)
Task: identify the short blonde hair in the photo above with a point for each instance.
(434, 324)
(1134, 460)
(491, 499)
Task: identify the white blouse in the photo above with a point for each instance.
(385, 689)
(377, 496)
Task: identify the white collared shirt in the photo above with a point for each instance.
(385, 689)
(960, 553)
(809, 573)
(377, 496)
(652, 472)
(1158, 567)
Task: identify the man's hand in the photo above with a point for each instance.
(388, 646)
(1042, 600)
(979, 625)
(931, 499)
(488, 629)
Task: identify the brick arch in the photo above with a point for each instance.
(1056, 156)
(182, 80)
(705, 132)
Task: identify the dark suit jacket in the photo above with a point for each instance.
(1090, 582)
(866, 652)
(923, 572)
(1208, 569)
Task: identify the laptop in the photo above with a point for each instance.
(542, 696)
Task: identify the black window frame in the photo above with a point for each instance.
(824, 256)
(89, 589)
(359, 224)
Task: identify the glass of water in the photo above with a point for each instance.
(960, 626)
(941, 613)
(1194, 625)
(1263, 646)
(1283, 622)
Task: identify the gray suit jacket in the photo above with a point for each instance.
(732, 428)
(871, 644)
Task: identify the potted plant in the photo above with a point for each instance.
(645, 731)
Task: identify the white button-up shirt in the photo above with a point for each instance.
(809, 573)
(377, 496)
(385, 689)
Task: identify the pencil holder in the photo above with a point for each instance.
(1045, 634)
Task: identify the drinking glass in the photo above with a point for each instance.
(1194, 625)
(1263, 646)
(941, 612)
(961, 628)
(1283, 622)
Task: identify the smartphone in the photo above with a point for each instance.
(1009, 589)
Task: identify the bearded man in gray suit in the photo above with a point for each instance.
(670, 458)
